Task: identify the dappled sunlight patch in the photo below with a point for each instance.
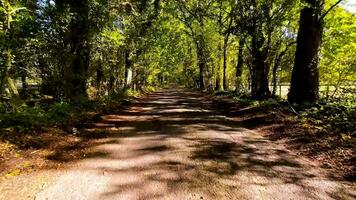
(122, 162)
(87, 184)
(183, 110)
(45, 149)
(126, 128)
(147, 109)
(118, 118)
(165, 101)
(116, 129)
(102, 125)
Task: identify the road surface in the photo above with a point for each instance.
(173, 145)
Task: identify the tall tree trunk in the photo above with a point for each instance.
(99, 74)
(6, 78)
(259, 77)
(260, 68)
(128, 70)
(99, 79)
(274, 75)
(201, 71)
(226, 41)
(218, 70)
(240, 62)
(5, 71)
(276, 66)
(212, 80)
(305, 75)
(25, 91)
(226, 44)
(200, 44)
(111, 84)
(75, 74)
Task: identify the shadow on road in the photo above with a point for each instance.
(175, 144)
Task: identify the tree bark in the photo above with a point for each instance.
(6, 78)
(240, 61)
(274, 74)
(305, 75)
(25, 91)
(99, 74)
(226, 41)
(201, 72)
(75, 74)
(276, 66)
(260, 68)
(8, 58)
(200, 44)
(128, 70)
(111, 84)
(6, 69)
(218, 70)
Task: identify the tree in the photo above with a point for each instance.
(10, 13)
(75, 73)
(239, 67)
(305, 75)
(337, 66)
(193, 15)
(82, 49)
(277, 62)
(259, 20)
(225, 21)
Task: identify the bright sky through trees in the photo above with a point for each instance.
(350, 5)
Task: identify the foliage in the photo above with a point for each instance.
(111, 49)
(326, 116)
(24, 117)
(338, 63)
(59, 111)
(332, 117)
(143, 43)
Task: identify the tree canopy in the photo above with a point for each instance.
(75, 50)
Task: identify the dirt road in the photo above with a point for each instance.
(172, 145)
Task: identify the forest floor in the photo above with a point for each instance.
(172, 144)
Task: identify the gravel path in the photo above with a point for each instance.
(170, 145)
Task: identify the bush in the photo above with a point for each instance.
(332, 117)
(2, 108)
(59, 111)
(24, 117)
(131, 93)
(27, 117)
(149, 89)
(37, 115)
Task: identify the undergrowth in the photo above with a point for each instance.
(28, 117)
(337, 117)
(329, 116)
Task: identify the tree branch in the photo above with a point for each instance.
(323, 16)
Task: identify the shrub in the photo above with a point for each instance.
(2, 108)
(24, 117)
(59, 111)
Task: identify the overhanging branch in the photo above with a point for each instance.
(333, 6)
